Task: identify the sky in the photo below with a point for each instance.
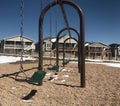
(102, 19)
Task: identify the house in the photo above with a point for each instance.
(70, 44)
(14, 44)
(97, 50)
(119, 50)
(50, 43)
(0, 46)
(115, 49)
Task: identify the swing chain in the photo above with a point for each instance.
(22, 42)
(21, 36)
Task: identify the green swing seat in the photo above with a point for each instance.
(65, 62)
(37, 77)
(55, 67)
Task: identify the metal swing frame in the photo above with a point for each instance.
(65, 62)
(81, 50)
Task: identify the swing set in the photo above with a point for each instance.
(38, 76)
(65, 62)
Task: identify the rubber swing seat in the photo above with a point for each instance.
(54, 68)
(37, 77)
(65, 62)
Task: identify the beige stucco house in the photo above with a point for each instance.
(14, 44)
(49, 43)
(97, 49)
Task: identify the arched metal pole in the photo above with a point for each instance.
(57, 45)
(80, 39)
(64, 49)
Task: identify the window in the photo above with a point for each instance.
(18, 43)
(28, 43)
(9, 42)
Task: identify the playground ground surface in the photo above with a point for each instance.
(102, 86)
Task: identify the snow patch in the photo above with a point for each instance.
(111, 63)
(11, 59)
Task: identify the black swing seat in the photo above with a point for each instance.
(30, 95)
(37, 77)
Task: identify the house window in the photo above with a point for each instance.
(28, 43)
(60, 45)
(119, 51)
(9, 42)
(98, 49)
(48, 46)
(18, 43)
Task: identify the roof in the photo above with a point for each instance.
(87, 43)
(98, 44)
(114, 45)
(17, 38)
(53, 39)
(66, 36)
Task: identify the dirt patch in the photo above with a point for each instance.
(102, 86)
